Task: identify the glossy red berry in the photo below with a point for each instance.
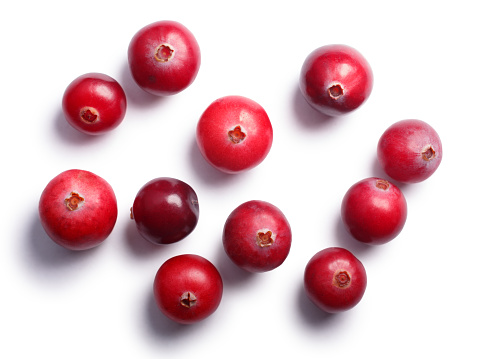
(165, 210)
(335, 280)
(336, 79)
(374, 211)
(188, 288)
(94, 103)
(164, 58)
(234, 134)
(78, 209)
(409, 151)
(257, 236)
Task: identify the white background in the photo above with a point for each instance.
(421, 299)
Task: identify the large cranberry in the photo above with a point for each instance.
(335, 280)
(409, 151)
(336, 79)
(94, 103)
(165, 210)
(78, 209)
(257, 236)
(188, 288)
(234, 134)
(164, 58)
(374, 211)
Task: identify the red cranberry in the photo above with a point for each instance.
(234, 134)
(94, 103)
(164, 58)
(188, 288)
(374, 211)
(335, 280)
(165, 210)
(410, 151)
(257, 236)
(336, 79)
(78, 209)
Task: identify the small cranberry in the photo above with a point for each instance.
(335, 280)
(257, 236)
(164, 58)
(234, 134)
(94, 103)
(188, 288)
(165, 210)
(374, 211)
(336, 79)
(409, 151)
(78, 209)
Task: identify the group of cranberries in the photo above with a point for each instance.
(78, 209)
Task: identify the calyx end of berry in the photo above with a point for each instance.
(335, 91)
(265, 238)
(188, 300)
(342, 279)
(428, 153)
(89, 115)
(74, 201)
(382, 184)
(164, 53)
(236, 134)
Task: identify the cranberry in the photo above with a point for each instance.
(374, 210)
(94, 103)
(257, 236)
(188, 288)
(336, 79)
(234, 134)
(335, 280)
(409, 151)
(78, 209)
(165, 210)
(164, 58)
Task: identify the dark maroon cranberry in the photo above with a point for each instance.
(335, 280)
(188, 288)
(165, 210)
(257, 236)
